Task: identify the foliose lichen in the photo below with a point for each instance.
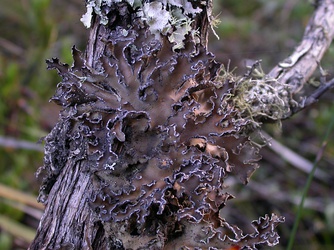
(158, 133)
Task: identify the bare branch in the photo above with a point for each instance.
(19, 144)
(300, 65)
(314, 97)
(293, 158)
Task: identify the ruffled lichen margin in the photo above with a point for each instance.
(158, 125)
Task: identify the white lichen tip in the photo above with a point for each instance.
(156, 16)
(86, 19)
(95, 5)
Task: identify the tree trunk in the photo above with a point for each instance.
(151, 127)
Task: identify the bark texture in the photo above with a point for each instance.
(297, 69)
(149, 131)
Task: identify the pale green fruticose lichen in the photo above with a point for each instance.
(164, 17)
(258, 96)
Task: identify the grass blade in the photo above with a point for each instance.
(308, 184)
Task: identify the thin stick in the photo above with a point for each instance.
(19, 144)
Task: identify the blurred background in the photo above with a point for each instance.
(34, 30)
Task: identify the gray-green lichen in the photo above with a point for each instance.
(258, 96)
(171, 18)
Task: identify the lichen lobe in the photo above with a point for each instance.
(157, 134)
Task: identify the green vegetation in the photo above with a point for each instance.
(31, 31)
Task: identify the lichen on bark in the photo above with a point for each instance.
(154, 129)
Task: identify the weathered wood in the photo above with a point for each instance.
(297, 69)
(67, 219)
